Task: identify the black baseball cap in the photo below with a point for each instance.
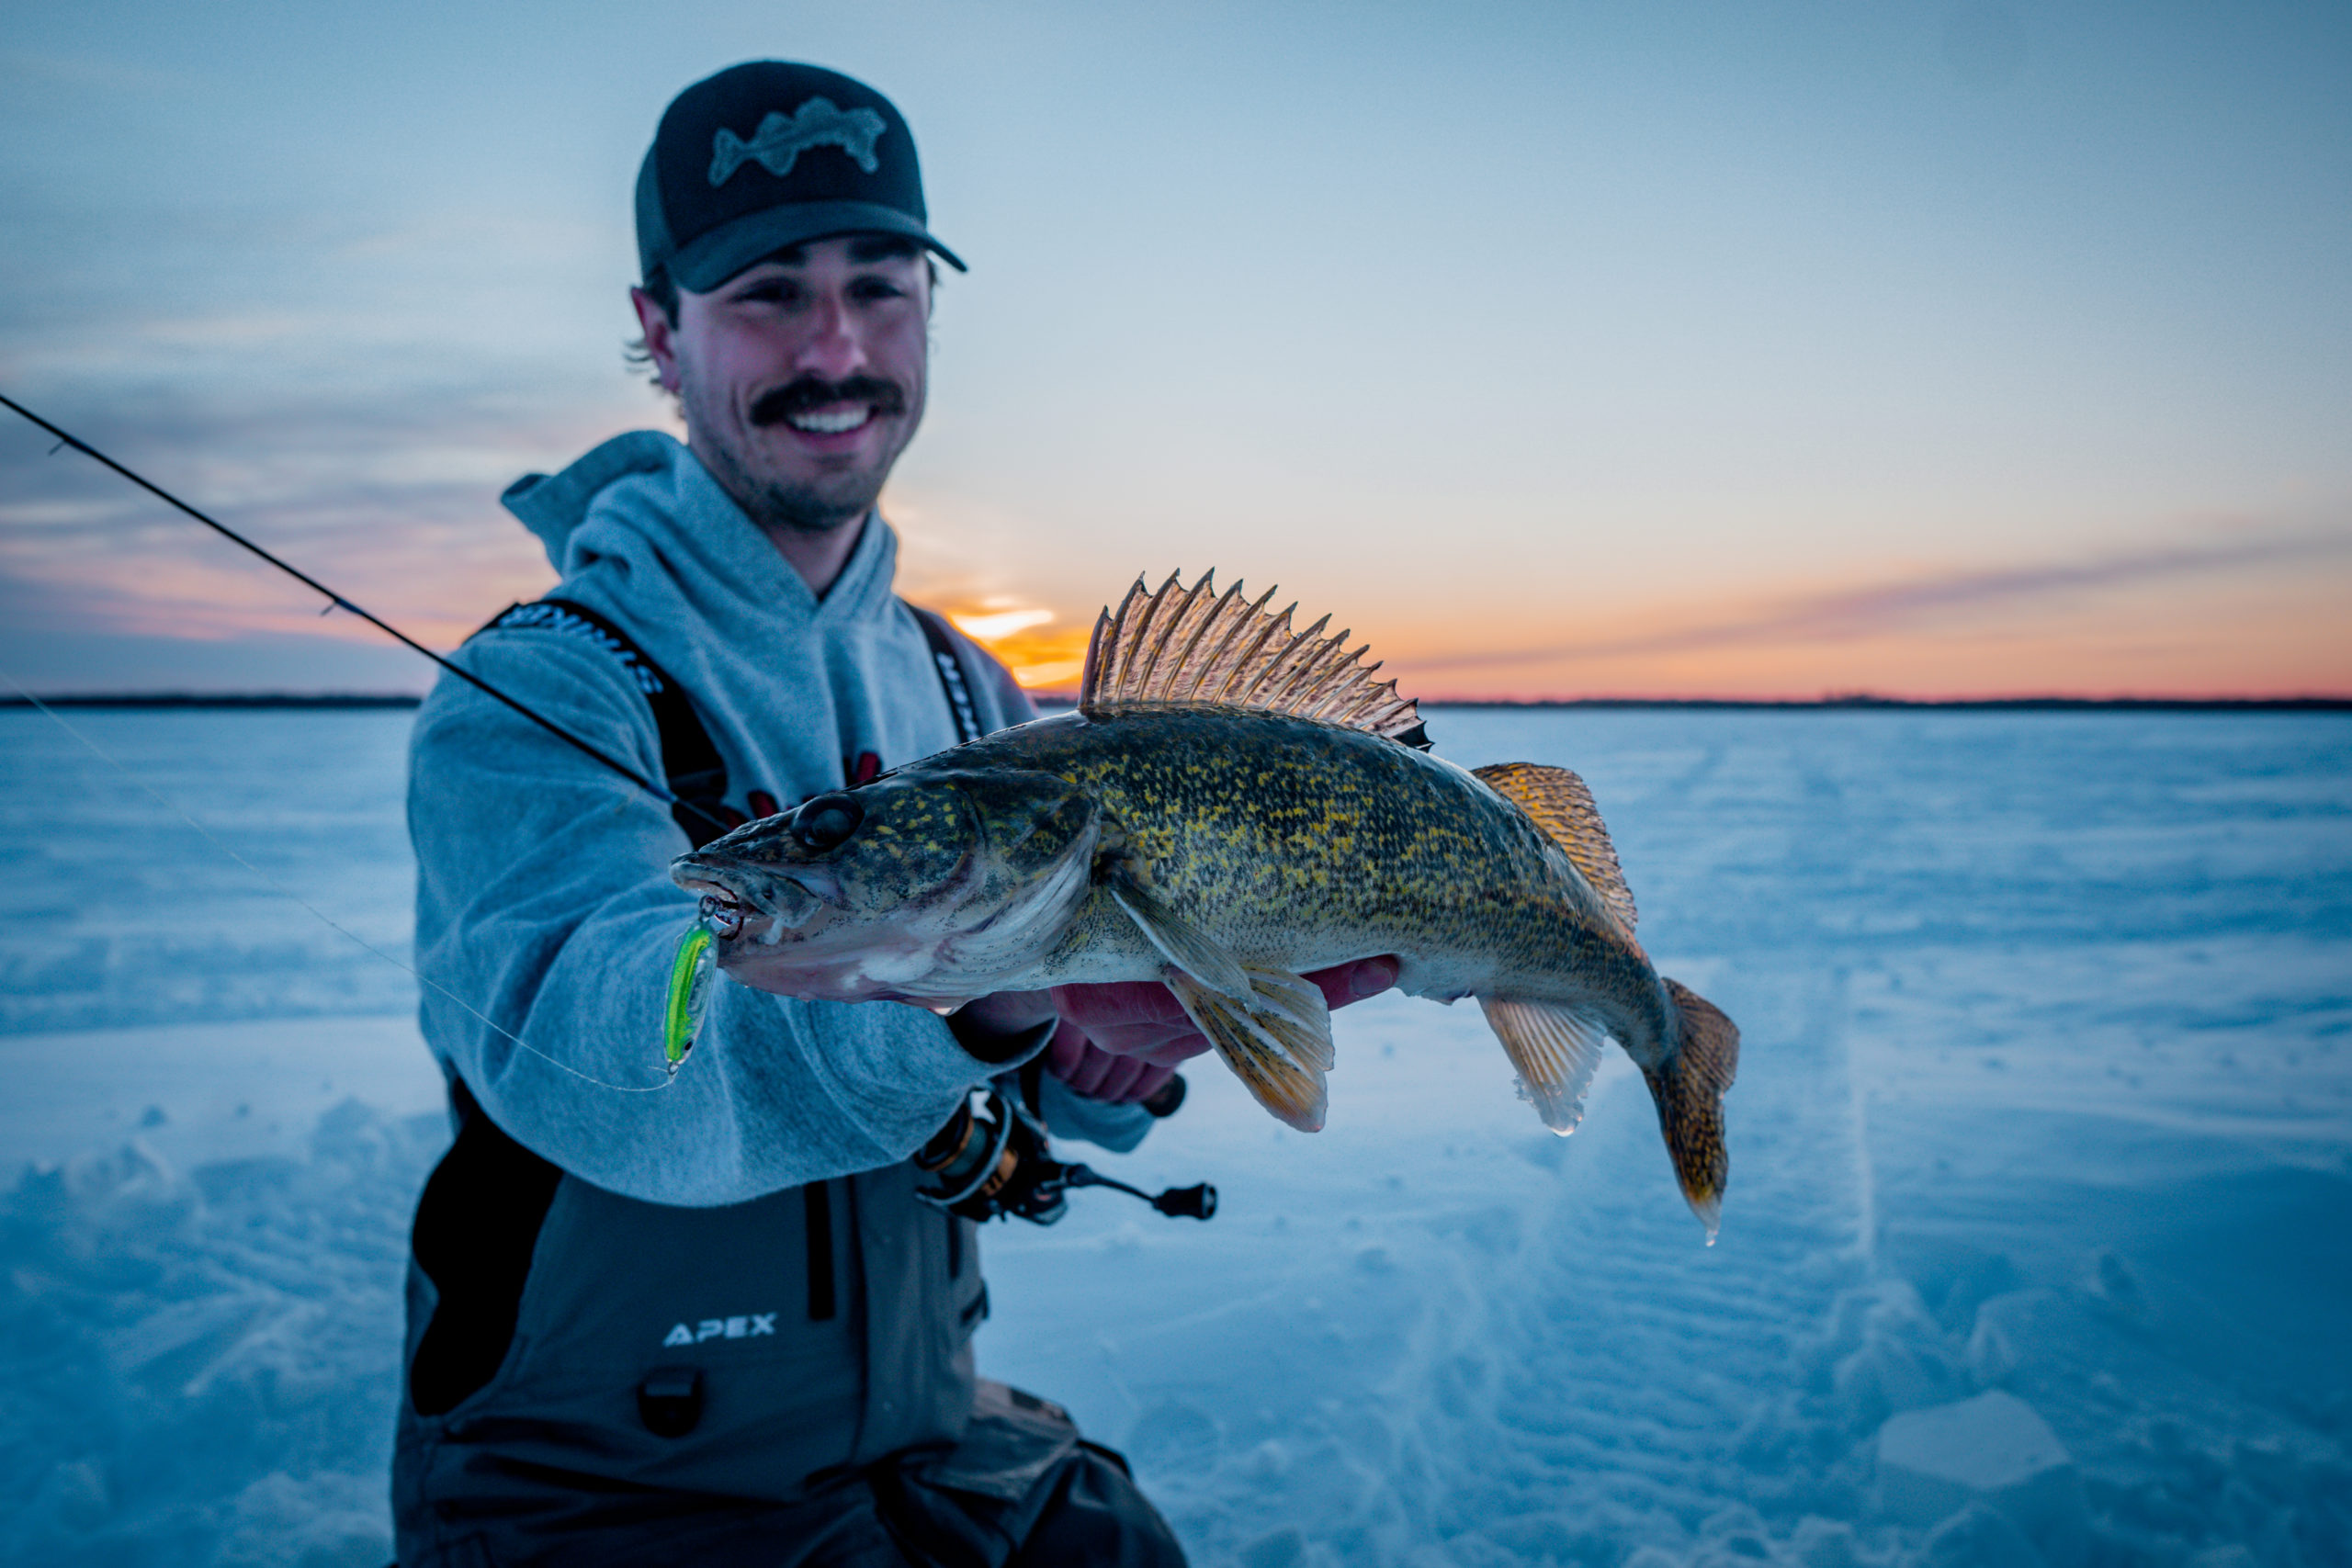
(770, 154)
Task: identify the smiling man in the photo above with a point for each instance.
(802, 379)
(714, 1320)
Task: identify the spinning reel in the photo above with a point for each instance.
(992, 1158)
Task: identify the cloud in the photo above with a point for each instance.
(1875, 609)
(392, 501)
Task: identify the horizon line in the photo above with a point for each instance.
(2300, 702)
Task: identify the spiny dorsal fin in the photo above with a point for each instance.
(1195, 645)
(1559, 803)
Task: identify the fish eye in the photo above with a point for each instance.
(826, 822)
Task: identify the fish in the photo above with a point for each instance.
(1232, 805)
(777, 144)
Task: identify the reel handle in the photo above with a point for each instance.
(1187, 1202)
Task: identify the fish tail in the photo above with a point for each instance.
(1688, 1085)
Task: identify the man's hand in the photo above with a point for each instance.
(1120, 1041)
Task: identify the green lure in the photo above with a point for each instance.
(690, 977)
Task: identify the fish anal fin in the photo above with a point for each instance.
(1177, 645)
(1183, 943)
(1557, 1050)
(1278, 1043)
(1560, 804)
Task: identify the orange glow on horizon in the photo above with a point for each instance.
(1046, 653)
(2271, 633)
(2271, 628)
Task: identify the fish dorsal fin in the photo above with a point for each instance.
(1558, 802)
(1194, 645)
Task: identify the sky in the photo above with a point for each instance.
(1950, 348)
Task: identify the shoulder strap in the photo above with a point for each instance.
(951, 672)
(696, 773)
(690, 760)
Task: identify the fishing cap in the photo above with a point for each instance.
(770, 154)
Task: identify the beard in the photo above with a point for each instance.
(814, 504)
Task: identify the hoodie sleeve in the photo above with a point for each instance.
(545, 925)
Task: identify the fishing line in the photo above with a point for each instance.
(276, 886)
(337, 602)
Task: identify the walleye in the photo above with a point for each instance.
(1232, 803)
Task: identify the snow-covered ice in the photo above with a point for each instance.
(1992, 1449)
(2043, 1124)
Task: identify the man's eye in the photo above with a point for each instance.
(769, 294)
(876, 288)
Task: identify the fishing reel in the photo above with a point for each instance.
(992, 1158)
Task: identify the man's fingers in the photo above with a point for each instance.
(1345, 983)
(1177, 1050)
(1148, 1082)
(1087, 1076)
(1143, 1019)
(1117, 1002)
(1065, 1051)
(1099, 1075)
(1119, 1076)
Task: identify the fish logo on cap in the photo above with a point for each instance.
(780, 140)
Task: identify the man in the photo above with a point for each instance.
(710, 1320)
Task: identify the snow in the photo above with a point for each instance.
(2045, 1113)
(1992, 1449)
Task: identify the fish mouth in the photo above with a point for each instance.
(722, 914)
(766, 906)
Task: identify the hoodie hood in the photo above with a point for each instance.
(796, 690)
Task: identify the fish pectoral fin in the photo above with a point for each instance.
(1558, 802)
(1278, 1043)
(1179, 941)
(1557, 1050)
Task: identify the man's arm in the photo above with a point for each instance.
(544, 901)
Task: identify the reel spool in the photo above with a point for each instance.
(993, 1159)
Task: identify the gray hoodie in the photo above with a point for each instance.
(544, 899)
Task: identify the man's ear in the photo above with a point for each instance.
(659, 335)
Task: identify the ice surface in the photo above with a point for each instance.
(2044, 1090)
(1992, 1449)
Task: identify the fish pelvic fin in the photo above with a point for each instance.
(1557, 1050)
(1278, 1043)
(1175, 646)
(1689, 1086)
(1560, 804)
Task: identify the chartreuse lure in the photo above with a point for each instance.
(690, 977)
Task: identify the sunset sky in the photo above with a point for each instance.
(1614, 349)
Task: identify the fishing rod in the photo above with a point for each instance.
(1044, 1179)
(337, 602)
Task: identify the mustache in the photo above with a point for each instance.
(781, 403)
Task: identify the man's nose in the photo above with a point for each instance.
(835, 348)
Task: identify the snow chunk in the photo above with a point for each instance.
(1992, 1449)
